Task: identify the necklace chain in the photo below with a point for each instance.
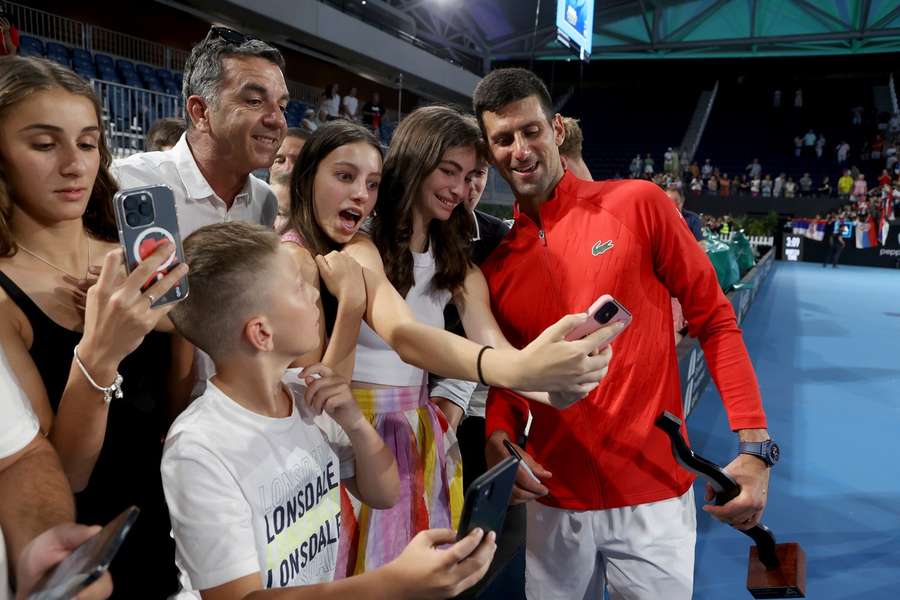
(50, 264)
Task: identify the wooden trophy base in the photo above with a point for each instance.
(787, 581)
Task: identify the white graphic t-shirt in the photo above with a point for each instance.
(254, 494)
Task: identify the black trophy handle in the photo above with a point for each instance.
(722, 483)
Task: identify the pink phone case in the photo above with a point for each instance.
(590, 324)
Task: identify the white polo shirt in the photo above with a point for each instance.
(18, 426)
(197, 203)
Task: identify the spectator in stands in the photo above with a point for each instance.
(707, 170)
(309, 123)
(570, 151)
(330, 103)
(712, 185)
(798, 146)
(809, 143)
(820, 146)
(825, 188)
(766, 186)
(667, 160)
(744, 185)
(860, 188)
(636, 167)
(845, 184)
(218, 476)
(9, 34)
(235, 93)
(57, 226)
(843, 152)
(755, 186)
(776, 99)
(724, 186)
(885, 178)
(36, 507)
(350, 105)
(648, 166)
(806, 185)
(694, 170)
(754, 169)
(856, 115)
(287, 153)
(778, 186)
(373, 113)
(589, 531)
(696, 186)
(164, 134)
(790, 188)
(798, 98)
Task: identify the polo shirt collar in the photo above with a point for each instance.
(194, 182)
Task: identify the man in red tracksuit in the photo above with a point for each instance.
(613, 507)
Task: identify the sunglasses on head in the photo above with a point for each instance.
(229, 35)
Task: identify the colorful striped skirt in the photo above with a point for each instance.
(430, 468)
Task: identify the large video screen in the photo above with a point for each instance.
(575, 25)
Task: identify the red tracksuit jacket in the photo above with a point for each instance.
(623, 238)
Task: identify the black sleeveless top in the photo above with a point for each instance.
(127, 470)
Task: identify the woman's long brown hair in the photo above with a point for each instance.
(416, 150)
(20, 78)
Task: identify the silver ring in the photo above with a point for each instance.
(151, 298)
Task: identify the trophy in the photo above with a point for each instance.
(775, 570)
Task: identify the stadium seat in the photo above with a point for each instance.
(30, 46)
(104, 61)
(85, 70)
(59, 53)
(80, 55)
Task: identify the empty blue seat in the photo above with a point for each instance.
(164, 74)
(86, 71)
(103, 61)
(30, 46)
(81, 55)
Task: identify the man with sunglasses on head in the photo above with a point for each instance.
(235, 97)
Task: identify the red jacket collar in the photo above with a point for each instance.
(561, 198)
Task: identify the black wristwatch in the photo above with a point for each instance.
(767, 451)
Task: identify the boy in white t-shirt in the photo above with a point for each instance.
(251, 470)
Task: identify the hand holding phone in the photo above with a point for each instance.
(87, 563)
(487, 499)
(146, 218)
(515, 454)
(604, 311)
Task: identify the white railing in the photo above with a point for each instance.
(893, 89)
(136, 49)
(46, 25)
(128, 113)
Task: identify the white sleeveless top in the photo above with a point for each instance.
(376, 362)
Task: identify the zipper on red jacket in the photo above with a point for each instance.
(599, 492)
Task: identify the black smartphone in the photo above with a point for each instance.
(87, 562)
(146, 217)
(487, 499)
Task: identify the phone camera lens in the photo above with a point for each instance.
(133, 219)
(146, 208)
(131, 203)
